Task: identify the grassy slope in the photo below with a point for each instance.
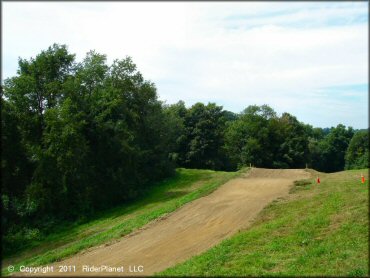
(320, 229)
(162, 198)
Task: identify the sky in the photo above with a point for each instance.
(309, 59)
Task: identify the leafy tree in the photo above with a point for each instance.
(328, 154)
(248, 137)
(16, 168)
(199, 135)
(357, 154)
(204, 136)
(229, 116)
(175, 116)
(293, 143)
(78, 138)
(91, 73)
(60, 181)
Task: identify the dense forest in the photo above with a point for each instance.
(79, 137)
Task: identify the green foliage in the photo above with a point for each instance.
(260, 138)
(200, 136)
(357, 155)
(78, 138)
(175, 116)
(293, 147)
(328, 154)
(205, 126)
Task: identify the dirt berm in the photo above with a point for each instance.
(190, 230)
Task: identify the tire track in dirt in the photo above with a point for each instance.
(192, 229)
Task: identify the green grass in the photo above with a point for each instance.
(162, 198)
(319, 230)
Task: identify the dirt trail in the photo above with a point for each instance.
(192, 229)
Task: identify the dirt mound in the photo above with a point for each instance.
(277, 173)
(192, 229)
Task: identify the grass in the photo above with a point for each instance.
(162, 198)
(319, 230)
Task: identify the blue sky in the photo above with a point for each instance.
(305, 58)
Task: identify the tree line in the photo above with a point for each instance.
(79, 137)
(212, 138)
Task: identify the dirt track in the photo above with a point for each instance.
(192, 229)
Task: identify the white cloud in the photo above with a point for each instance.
(235, 54)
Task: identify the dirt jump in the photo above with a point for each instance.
(188, 231)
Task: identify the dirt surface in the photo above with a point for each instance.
(190, 230)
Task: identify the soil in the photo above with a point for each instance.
(190, 230)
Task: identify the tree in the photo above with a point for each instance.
(328, 153)
(175, 117)
(357, 154)
(79, 138)
(16, 168)
(293, 143)
(204, 136)
(248, 137)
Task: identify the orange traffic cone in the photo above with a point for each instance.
(362, 178)
(318, 180)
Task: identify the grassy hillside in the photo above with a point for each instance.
(160, 199)
(320, 229)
